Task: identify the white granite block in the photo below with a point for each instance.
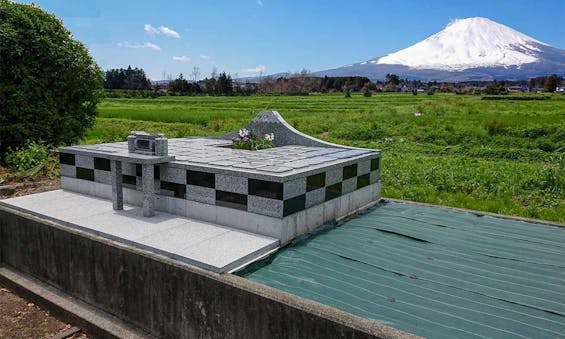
(128, 168)
(84, 161)
(68, 170)
(172, 174)
(374, 176)
(201, 211)
(314, 217)
(294, 188)
(104, 177)
(290, 228)
(172, 205)
(264, 225)
(349, 185)
(315, 197)
(133, 197)
(201, 194)
(330, 209)
(344, 207)
(265, 206)
(301, 227)
(361, 197)
(363, 167)
(230, 183)
(376, 191)
(334, 175)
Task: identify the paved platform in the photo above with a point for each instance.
(206, 245)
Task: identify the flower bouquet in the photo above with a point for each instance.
(245, 140)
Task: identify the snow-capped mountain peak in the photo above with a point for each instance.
(468, 43)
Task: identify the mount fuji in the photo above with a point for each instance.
(469, 49)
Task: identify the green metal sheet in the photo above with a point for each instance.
(434, 272)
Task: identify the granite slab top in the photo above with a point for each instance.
(203, 153)
(117, 151)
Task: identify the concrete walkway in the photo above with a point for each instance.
(209, 246)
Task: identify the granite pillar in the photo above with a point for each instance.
(117, 190)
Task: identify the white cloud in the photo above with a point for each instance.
(151, 46)
(258, 69)
(161, 30)
(147, 45)
(169, 32)
(204, 57)
(150, 29)
(182, 58)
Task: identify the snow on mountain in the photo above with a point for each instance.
(467, 49)
(468, 43)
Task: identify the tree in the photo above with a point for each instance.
(49, 84)
(391, 83)
(496, 87)
(392, 79)
(179, 85)
(550, 84)
(126, 79)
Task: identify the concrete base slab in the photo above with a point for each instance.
(207, 245)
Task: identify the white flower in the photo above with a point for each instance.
(243, 133)
(270, 137)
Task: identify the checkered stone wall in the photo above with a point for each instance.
(85, 168)
(274, 199)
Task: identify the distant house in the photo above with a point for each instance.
(560, 89)
(516, 89)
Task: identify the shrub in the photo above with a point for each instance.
(31, 156)
(546, 145)
(534, 132)
(50, 85)
(496, 127)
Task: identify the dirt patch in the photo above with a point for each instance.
(26, 185)
(22, 319)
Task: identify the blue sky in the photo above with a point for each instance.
(247, 36)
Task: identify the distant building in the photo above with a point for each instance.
(516, 89)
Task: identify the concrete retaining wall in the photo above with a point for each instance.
(162, 296)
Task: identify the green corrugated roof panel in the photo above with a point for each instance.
(434, 272)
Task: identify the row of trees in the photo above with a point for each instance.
(221, 84)
(304, 83)
(546, 84)
(129, 78)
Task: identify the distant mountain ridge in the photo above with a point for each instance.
(472, 49)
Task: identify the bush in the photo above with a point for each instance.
(546, 145)
(496, 127)
(33, 155)
(50, 85)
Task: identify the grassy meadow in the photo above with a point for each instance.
(501, 156)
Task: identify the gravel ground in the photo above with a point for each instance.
(21, 319)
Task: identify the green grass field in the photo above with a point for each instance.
(502, 156)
